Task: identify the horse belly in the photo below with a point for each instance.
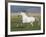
(32, 19)
(28, 20)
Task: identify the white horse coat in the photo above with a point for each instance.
(26, 19)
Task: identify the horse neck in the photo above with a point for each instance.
(24, 16)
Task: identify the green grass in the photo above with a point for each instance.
(17, 25)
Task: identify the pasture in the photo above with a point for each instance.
(17, 25)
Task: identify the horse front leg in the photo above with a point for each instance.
(32, 24)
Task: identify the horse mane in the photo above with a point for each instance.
(23, 14)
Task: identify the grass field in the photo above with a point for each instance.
(17, 25)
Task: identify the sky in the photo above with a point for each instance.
(32, 9)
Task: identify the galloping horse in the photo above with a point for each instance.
(26, 19)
